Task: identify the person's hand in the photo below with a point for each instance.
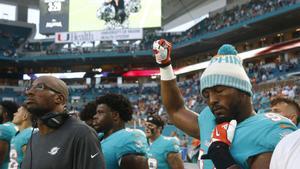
(221, 139)
(224, 132)
(162, 52)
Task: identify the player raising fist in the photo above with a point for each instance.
(228, 91)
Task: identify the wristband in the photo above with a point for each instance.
(167, 73)
(164, 65)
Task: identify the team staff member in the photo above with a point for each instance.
(7, 130)
(227, 90)
(62, 142)
(22, 119)
(164, 151)
(123, 148)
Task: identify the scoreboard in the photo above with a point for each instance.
(54, 16)
(98, 15)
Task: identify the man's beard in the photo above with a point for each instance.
(104, 128)
(220, 120)
(37, 112)
(234, 110)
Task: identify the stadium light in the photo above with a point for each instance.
(72, 75)
(97, 69)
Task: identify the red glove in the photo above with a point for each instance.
(221, 140)
(224, 132)
(162, 52)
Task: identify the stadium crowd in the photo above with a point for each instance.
(262, 72)
(220, 20)
(10, 43)
(216, 21)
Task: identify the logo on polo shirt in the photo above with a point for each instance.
(53, 151)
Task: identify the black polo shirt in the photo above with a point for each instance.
(72, 146)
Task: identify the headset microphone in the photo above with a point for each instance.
(54, 119)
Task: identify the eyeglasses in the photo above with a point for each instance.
(41, 87)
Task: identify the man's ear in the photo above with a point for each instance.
(26, 116)
(115, 115)
(294, 118)
(59, 99)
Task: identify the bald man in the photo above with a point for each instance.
(62, 141)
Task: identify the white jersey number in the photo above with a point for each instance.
(152, 163)
(13, 163)
(273, 116)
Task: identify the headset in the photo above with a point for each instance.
(54, 119)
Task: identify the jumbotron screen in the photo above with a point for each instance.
(91, 15)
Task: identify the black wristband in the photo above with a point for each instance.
(220, 155)
(164, 65)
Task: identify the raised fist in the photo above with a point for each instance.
(162, 51)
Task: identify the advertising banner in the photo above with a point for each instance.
(106, 35)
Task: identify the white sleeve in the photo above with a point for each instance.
(275, 160)
(286, 153)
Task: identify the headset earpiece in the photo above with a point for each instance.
(54, 119)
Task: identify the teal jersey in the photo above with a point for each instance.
(100, 135)
(7, 131)
(16, 145)
(121, 143)
(160, 149)
(255, 135)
